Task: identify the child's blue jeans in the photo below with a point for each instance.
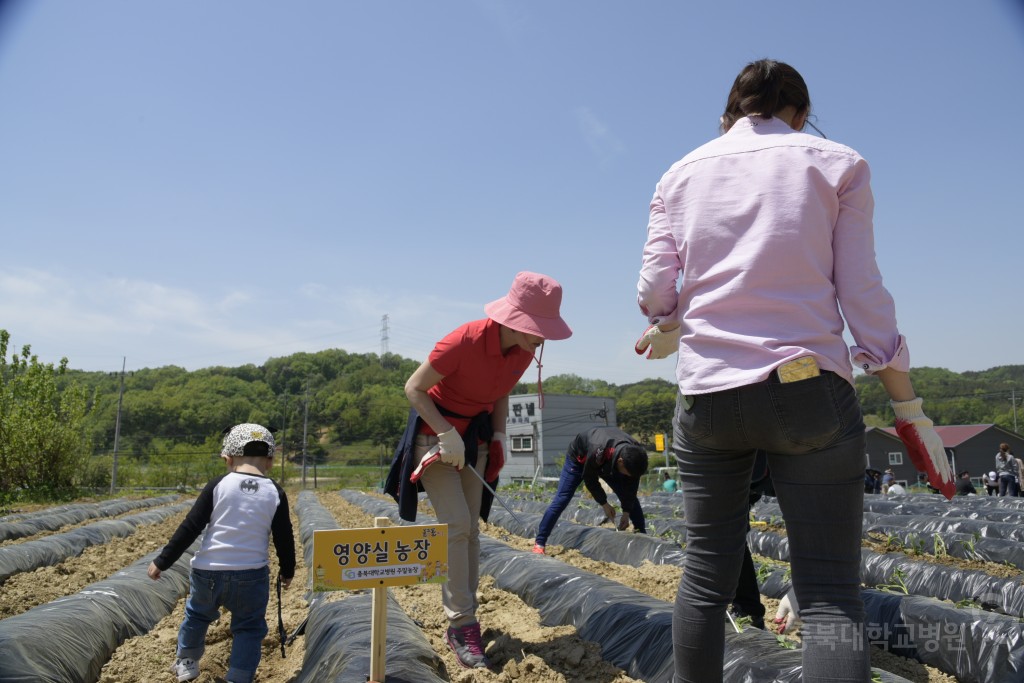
(245, 594)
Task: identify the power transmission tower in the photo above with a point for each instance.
(383, 338)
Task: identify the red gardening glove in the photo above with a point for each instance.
(787, 618)
(495, 457)
(924, 445)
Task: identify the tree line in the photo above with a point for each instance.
(57, 424)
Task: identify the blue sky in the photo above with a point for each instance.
(218, 183)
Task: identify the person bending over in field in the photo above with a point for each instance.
(599, 453)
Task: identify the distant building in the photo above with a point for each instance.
(884, 450)
(968, 447)
(537, 438)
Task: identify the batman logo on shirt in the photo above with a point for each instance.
(249, 486)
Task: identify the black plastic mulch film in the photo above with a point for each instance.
(972, 644)
(632, 628)
(945, 582)
(947, 637)
(53, 549)
(83, 629)
(981, 642)
(338, 631)
(51, 519)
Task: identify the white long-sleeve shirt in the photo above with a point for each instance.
(756, 240)
(240, 512)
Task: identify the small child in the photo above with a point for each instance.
(239, 510)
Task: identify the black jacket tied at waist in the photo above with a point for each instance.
(398, 484)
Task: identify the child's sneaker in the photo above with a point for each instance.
(467, 645)
(185, 668)
(538, 548)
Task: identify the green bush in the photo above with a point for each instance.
(43, 447)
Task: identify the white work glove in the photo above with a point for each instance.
(453, 449)
(924, 445)
(787, 618)
(658, 343)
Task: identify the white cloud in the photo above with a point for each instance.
(365, 303)
(314, 290)
(234, 299)
(94, 321)
(511, 18)
(154, 324)
(598, 136)
(21, 284)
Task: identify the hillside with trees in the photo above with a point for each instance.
(335, 405)
(344, 398)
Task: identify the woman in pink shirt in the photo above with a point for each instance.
(759, 251)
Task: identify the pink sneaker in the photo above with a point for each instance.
(538, 549)
(466, 643)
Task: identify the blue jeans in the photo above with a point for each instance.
(245, 594)
(813, 434)
(568, 482)
(1007, 484)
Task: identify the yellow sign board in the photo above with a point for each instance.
(659, 442)
(349, 559)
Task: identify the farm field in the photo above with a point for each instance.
(523, 644)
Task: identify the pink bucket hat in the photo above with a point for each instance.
(531, 306)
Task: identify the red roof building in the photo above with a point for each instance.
(969, 447)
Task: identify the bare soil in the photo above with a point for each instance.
(523, 650)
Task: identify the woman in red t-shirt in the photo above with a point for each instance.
(460, 395)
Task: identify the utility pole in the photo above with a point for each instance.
(1013, 398)
(305, 428)
(284, 431)
(117, 428)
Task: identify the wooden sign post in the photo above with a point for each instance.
(378, 622)
(348, 559)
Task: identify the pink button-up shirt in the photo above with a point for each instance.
(756, 239)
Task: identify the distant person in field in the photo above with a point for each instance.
(896, 490)
(599, 453)
(964, 486)
(1008, 471)
(459, 404)
(747, 600)
(872, 481)
(991, 483)
(240, 511)
(759, 254)
(669, 484)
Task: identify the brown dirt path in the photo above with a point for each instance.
(24, 591)
(525, 651)
(528, 651)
